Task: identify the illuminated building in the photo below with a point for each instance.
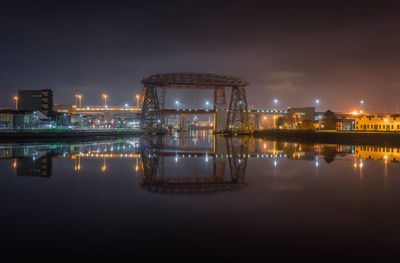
(378, 123)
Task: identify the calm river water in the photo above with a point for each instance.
(195, 195)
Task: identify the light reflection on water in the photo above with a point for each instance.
(312, 194)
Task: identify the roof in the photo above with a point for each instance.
(195, 79)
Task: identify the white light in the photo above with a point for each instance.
(207, 103)
(177, 102)
(275, 163)
(275, 101)
(317, 101)
(362, 101)
(126, 105)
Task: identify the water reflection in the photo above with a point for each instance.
(190, 163)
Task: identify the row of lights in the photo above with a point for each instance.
(78, 97)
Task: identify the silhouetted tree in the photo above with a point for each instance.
(329, 120)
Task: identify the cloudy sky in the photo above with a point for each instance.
(339, 52)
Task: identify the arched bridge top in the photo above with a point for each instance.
(195, 79)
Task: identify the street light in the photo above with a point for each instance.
(137, 100)
(76, 100)
(177, 102)
(275, 102)
(105, 99)
(80, 101)
(362, 102)
(16, 102)
(316, 104)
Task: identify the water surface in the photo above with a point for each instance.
(197, 195)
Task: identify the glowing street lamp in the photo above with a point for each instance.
(316, 103)
(177, 103)
(275, 102)
(16, 102)
(105, 100)
(80, 100)
(137, 100)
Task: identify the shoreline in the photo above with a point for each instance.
(337, 137)
(64, 135)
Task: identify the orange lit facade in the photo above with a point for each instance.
(378, 123)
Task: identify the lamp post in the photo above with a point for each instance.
(16, 102)
(275, 102)
(105, 100)
(316, 104)
(80, 101)
(137, 100)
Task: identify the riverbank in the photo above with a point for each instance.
(340, 137)
(65, 135)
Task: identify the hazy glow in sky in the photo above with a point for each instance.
(339, 53)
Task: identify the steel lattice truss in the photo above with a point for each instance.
(237, 120)
(151, 115)
(238, 114)
(196, 79)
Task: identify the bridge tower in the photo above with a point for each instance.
(233, 119)
(151, 119)
(238, 112)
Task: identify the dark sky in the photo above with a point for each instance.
(296, 51)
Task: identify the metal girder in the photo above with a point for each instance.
(238, 115)
(199, 79)
(153, 118)
(151, 115)
(219, 96)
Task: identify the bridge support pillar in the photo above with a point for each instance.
(238, 115)
(151, 116)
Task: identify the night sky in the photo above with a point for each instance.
(296, 52)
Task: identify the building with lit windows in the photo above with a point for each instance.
(378, 122)
(36, 100)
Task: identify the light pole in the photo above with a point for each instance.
(316, 104)
(105, 100)
(76, 100)
(275, 102)
(80, 101)
(16, 102)
(137, 100)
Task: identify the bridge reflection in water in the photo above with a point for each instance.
(155, 179)
(186, 164)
